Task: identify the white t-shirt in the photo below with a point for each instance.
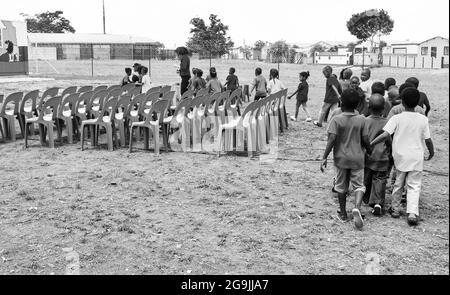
(410, 130)
(366, 86)
(146, 83)
(274, 86)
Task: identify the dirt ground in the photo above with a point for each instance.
(98, 212)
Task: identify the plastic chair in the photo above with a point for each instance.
(95, 104)
(10, 114)
(197, 117)
(110, 88)
(100, 87)
(282, 109)
(181, 121)
(128, 87)
(202, 92)
(82, 111)
(187, 94)
(120, 118)
(165, 89)
(154, 89)
(158, 109)
(245, 124)
(27, 108)
(66, 112)
(105, 120)
(69, 90)
(46, 119)
(85, 89)
(51, 92)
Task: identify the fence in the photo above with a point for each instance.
(412, 61)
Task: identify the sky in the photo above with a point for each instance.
(295, 21)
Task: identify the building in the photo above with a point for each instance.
(15, 62)
(57, 46)
(341, 57)
(366, 53)
(430, 54)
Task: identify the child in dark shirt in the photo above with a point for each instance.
(379, 88)
(376, 171)
(362, 107)
(423, 101)
(232, 82)
(302, 96)
(347, 135)
(127, 78)
(333, 91)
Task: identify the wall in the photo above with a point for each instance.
(369, 59)
(102, 52)
(411, 61)
(439, 43)
(44, 53)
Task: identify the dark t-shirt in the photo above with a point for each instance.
(302, 91)
(349, 129)
(232, 81)
(330, 94)
(363, 106)
(185, 66)
(423, 101)
(379, 159)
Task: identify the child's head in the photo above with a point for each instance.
(389, 82)
(144, 70)
(304, 76)
(393, 92)
(135, 79)
(258, 71)
(136, 67)
(212, 72)
(327, 71)
(410, 97)
(350, 100)
(404, 86)
(274, 74)
(199, 73)
(232, 71)
(376, 104)
(378, 88)
(194, 71)
(365, 74)
(128, 71)
(354, 82)
(347, 74)
(414, 81)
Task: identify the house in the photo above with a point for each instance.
(429, 54)
(261, 54)
(15, 63)
(366, 53)
(341, 57)
(57, 46)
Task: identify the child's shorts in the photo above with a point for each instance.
(349, 180)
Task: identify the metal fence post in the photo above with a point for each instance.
(92, 60)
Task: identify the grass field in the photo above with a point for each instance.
(177, 213)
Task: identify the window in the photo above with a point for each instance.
(433, 51)
(424, 50)
(400, 50)
(445, 50)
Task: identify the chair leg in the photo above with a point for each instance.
(219, 140)
(51, 137)
(93, 134)
(21, 119)
(109, 135)
(69, 128)
(146, 138)
(82, 137)
(156, 138)
(131, 139)
(122, 133)
(42, 134)
(165, 131)
(26, 136)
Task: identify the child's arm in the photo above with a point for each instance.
(366, 144)
(289, 97)
(330, 145)
(430, 147)
(336, 91)
(380, 138)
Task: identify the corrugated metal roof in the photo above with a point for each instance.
(69, 38)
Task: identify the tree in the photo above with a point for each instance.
(247, 51)
(212, 39)
(259, 45)
(279, 50)
(48, 22)
(333, 49)
(316, 48)
(370, 23)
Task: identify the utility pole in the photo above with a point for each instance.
(104, 27)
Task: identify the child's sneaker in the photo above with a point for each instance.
(377, 210)
(342, 216)
(412, 219)
(317, 124)
(357, 218)
(308, 120)
(293, 118)
(394, 214)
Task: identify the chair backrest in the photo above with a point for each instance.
(169, 96)
(165, 89)
(283, 95)
(116, 92)
(69, 90)
(183, 107)
(234, 98)
(51, 92)
(100, 87)
(187, 94)
(123, 104)
(213, 98)
(135, 103)
(68, 102)
(154, 89)
(108, 110)
(135, 91)
(13, 98)
(222, 99)
(160, 109)
(128, 87)
(202, 91)
(84, 99)
(52, 104)
(97, 98)
(148, 101)
(30, 96)
(84, 89)
(112, 87)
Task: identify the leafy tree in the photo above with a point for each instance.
(292, 55)
(259, 45)
(247, 51)
(210, 39)
(279, 50)
(370, 23)
(316, 48)
(48, 22)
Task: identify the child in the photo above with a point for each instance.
(194, 75)
(332, 95)
(213, 85)
(409, 129)
(232, 80)
(145, 81)
(366, 82)
(344, 78)
(302, 96)
(275, 84)
(347, 134)
(423, 101)
(127, 78)
(401, 108)
(379, 88)
(363, 106)
(259, 85)
(376, 171)
(198, 82)
(391, 91)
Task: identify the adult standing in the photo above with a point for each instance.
(184, 71)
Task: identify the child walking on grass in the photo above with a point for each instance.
(347, 135)
(302, 96)
(410, 129)
(332, 95)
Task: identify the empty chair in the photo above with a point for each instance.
(28, 108)
(128, 87)
(202, 92)
(282, 109)
(110, 88)
(46, 119)
(154, 89)
(100, 87)
(116, 92)
(85, 89)
(51, 92)
(66, 113)
(165, 89)
(69, 90)
(134, 91)
(9, 112)
(181, 121)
